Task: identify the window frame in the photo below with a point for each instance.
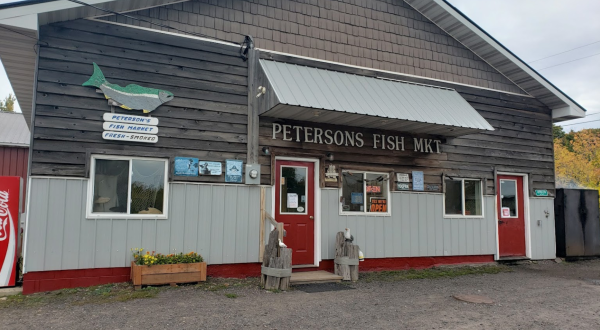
(106, 215)
(463, 215)
(281, 191)
(516, 199)
(364, 212)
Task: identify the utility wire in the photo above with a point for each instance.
(150, 22)
(583, 122)
(548, 67)
(566, 51)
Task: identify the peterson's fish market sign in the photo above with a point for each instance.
(345, 138)
(119, 127)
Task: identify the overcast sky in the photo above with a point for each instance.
(534, 29)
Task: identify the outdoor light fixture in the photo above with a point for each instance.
(266, 151)
(329, 156)
(316, 113)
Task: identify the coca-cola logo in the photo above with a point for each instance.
(4, 215)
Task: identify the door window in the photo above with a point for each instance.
(508, 198)
(293, 190)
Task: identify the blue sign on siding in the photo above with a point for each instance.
(233, 170)
(418, 181)
(357, 198)
(185, 166)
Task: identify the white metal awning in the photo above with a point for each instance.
(316, 95)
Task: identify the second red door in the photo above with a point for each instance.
(511, 216)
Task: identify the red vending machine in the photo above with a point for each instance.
(10, 210)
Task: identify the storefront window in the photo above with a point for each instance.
(127, 187)
(463, 197)
(365, 192)
(293, 190)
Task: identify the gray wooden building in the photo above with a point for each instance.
(403, 121)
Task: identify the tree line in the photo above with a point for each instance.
(577, 158)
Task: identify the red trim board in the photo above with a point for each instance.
(62, 279)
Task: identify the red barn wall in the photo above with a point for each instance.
(13, 162)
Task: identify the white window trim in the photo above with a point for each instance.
(305, 191)
(462, 216)
(90, 192)
(516, 199)
(364, 212)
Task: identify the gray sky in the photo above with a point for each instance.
(534, 29)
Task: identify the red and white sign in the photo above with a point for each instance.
(10, 193)
(505, 212)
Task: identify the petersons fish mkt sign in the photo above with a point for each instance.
(10, 192)
(130, 128)
(346, 138)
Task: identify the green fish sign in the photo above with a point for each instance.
(130, 97)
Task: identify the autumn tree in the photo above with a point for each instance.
(577, 159)
(8, 104)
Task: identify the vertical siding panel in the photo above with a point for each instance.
(229, 238)
(396, 226)
(242, 226)
(205, 222)
(422, 222)
(118, 250)
(72, 227)
(218, 218)
(36, 227)
(190, 238)
(57, 204)
(333, 221)
(370, 235)
(148, 238)
(470, 233)
(378, 235)
(177, 218)
(448, 238)
(324, 222)
(551, 231)
(103, 243)
(413, 211)
(134, 239)
(405, 225)
(439, 226)
(477, 236)
(87, 236)
(430, 216)
(252, 237)
(455, 236)
(388, 233)
(462, 236)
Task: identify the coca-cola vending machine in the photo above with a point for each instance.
(10, 207)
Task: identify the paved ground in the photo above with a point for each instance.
(538, 296)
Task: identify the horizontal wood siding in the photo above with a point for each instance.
(13, 162)
(416, 228)
(520, 143)
(380, 34)
(221, 222)
(206, 119)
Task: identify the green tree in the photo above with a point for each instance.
(8, 104)
(557, 132)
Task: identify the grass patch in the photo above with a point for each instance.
(231, 295)
(81, 296)
(430, 273)
(219, 284)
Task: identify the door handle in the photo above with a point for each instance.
(311, 217)
(500, 222)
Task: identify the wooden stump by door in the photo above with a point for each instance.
(277, 265)
(346, 258)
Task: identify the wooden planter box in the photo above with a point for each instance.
(167, 274)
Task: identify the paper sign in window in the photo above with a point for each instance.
(292, 200)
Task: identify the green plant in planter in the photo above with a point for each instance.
(152, 258)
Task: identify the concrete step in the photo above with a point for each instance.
(319, 276)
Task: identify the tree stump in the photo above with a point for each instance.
(277, 265)
(346, 258)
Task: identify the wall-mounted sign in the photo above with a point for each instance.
(210, 168)
(403, 186)
(331, 174)
(233, 170)
(402, 177)
(505, 212)
(133, 128)
(378, 205)
(418, 181)
(130, 119)
(357, 198)
(129, 137)
(304, 134)
(541, 193)
(10, 207)
(432, 187)
(186, 166)
(130, 97)
(373, 189)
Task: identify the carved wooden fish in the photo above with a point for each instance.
(131, 96)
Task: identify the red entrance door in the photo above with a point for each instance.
(295, 207)
(511, 216)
